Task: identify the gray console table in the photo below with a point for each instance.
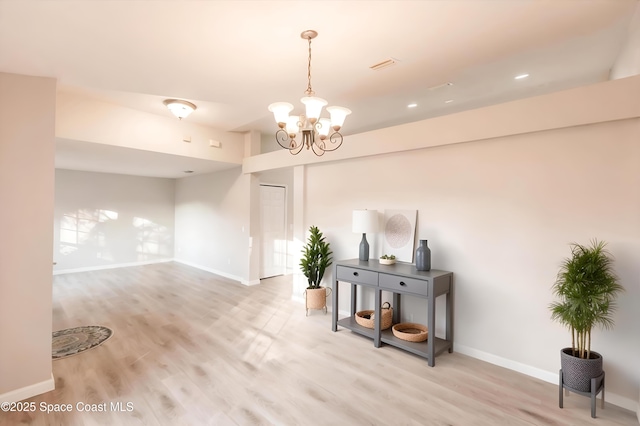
(399, 279)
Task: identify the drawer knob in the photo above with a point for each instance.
(355, 274)
(402, 283)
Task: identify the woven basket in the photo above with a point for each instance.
(387, 317)
(410, 331)
(316, 298)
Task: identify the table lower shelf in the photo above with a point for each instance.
(417, 348)
(352, 325)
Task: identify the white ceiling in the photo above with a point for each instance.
(233, 58)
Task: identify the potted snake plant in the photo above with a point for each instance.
(316, 258)
(587, 287)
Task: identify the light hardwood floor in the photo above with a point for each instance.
(191, 348)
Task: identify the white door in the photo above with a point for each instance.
(273, 224)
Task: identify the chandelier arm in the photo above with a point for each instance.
(318, 148)
(282, 137)
(295, 148)
(336, 141)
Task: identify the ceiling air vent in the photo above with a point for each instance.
(383, 64)
(440, 86)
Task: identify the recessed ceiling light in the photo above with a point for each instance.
(521, 76)
(412, 105)
(448, 101)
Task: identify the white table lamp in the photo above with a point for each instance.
(365, 221)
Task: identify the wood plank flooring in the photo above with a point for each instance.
(191, 348)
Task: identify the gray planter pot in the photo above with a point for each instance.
(577, 372)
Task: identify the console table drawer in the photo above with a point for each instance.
(357, 276)
(409, 285)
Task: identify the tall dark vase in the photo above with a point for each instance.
(423, 257)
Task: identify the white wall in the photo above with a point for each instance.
(596, 103)
(106, 220)
(628, 61)
(212, 223)
(85, 119)
(27, 130)
(500, 192)
(500, 213)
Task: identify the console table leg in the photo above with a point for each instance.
(376, 323)
(449, 315)
(334, 305)
(396, 308)
(431, 327)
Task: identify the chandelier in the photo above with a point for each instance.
(314, 130)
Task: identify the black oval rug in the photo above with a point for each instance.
(72, 341)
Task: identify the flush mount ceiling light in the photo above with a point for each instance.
(314, 129)
(179, 108)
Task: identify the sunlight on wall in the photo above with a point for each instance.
(299, 280)
(84, 227)
(109, 236)
(153, 239)
(279, 255)
(291, 258)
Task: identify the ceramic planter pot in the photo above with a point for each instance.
(577, 372)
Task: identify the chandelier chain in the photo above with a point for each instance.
(309, 90)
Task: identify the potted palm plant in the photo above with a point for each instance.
(587, 287)
(316, 258)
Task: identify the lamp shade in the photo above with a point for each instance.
(365, 221)
(281, 111)
(338, 115)
(324, 127)
(293, 124)
(313, 107)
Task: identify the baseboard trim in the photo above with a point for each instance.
(112, 266)
(507, 363)
(538, 373)
(217, 272)
(29, 391)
